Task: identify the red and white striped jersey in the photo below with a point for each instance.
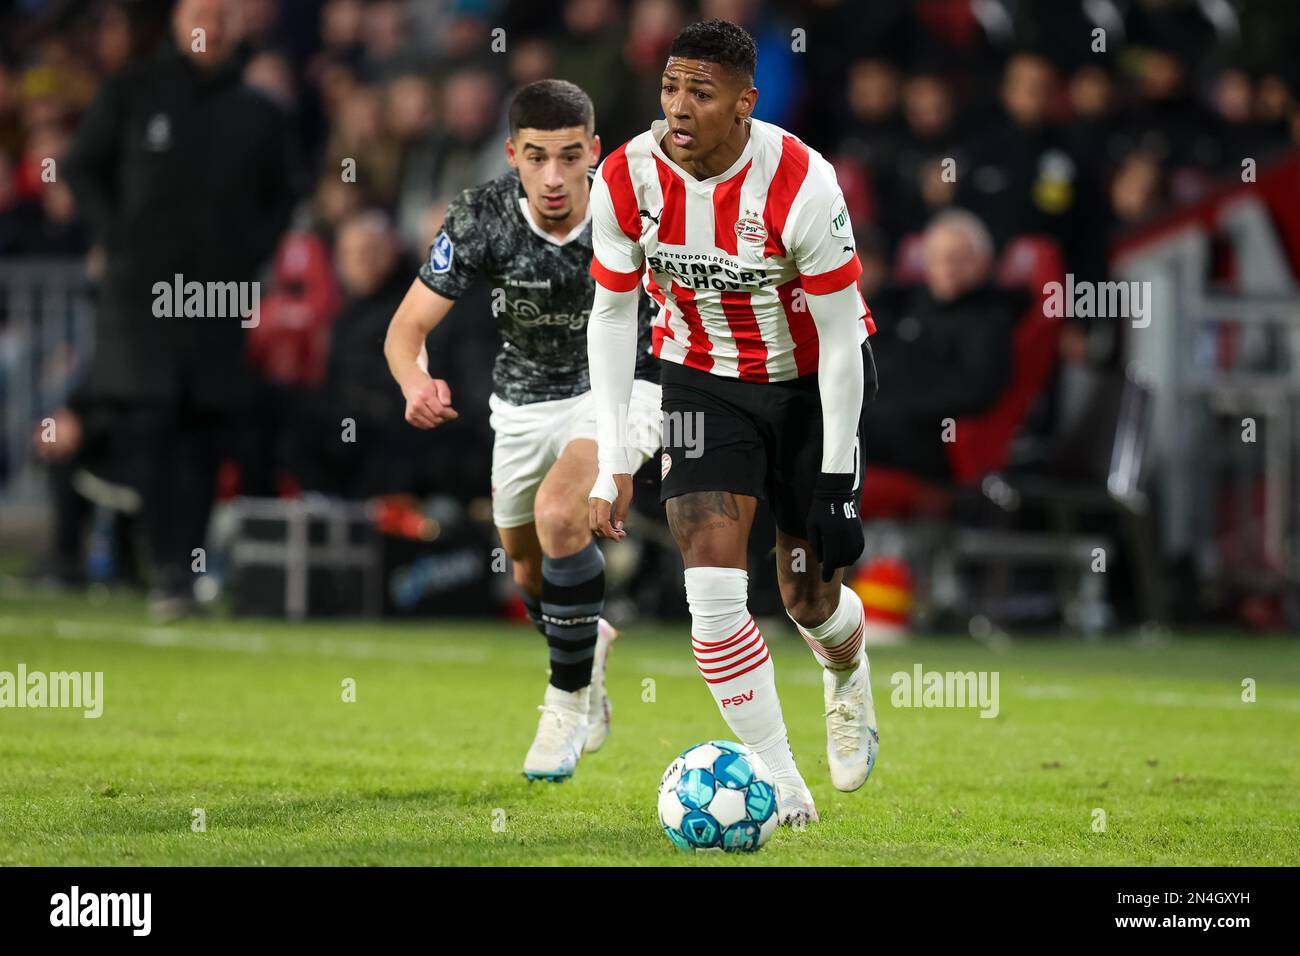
(728, 258)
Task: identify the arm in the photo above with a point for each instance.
(611, 357)
(835, 533)
(822, 245)
(428, 400)
(456, 257)
(839, 377)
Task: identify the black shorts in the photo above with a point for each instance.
(762, 439)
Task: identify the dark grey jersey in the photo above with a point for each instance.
(541, 291)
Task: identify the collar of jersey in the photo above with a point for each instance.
(659, 127)
(527, 213)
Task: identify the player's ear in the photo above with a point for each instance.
(595, 149)
(745, 105)
(511, 156)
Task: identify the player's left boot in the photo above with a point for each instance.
(794, 803)
(851, 738)
(599, 707)
(561, 734)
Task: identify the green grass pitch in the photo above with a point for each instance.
(245, 720)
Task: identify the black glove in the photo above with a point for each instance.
(834, 528)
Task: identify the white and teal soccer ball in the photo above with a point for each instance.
(718, 796)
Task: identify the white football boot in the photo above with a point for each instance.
(599, 707)
(851, 737)
(561, 734)
(794, 802)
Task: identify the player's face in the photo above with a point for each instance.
(703, 104)
(553, 165)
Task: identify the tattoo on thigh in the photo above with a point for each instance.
(701, 510)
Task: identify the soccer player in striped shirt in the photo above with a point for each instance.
(740, 233)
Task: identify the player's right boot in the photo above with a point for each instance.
(794, 802)
(599, 707)
(851, 738)
(561, 734)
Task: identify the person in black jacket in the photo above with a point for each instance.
(185, 175)
(945, 352)
(1021, 176)
(349, 436)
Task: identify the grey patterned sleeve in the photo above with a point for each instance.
(459, 253)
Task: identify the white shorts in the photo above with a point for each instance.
(529, 438)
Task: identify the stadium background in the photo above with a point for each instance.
(1106, 436)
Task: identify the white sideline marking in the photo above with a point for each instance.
(880, 683)
(250, 643)
(1178, 699)
(1048, 691)
(433, 654)
(1157, 698)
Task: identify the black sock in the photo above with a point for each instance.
(573, 595)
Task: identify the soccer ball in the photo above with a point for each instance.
(718, 796)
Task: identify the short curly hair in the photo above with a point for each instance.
(718, 41)
(551, 104)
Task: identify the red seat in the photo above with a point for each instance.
(891, 493)
(984, 443)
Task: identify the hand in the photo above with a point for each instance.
(834, 528)
(608, 504)
(428, 403)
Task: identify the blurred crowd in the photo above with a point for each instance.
(1069, 119)
(1170, 95)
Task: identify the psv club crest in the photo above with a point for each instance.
(750, 228)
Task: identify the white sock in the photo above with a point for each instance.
(837, 641)
(733, 660)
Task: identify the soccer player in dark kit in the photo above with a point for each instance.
(528, 234)
(740, 232)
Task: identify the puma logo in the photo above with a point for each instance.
(645, 214)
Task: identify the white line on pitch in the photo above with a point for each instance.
(253, 643)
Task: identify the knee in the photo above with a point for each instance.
(560, 528)
(809, 607)
(709, 554)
